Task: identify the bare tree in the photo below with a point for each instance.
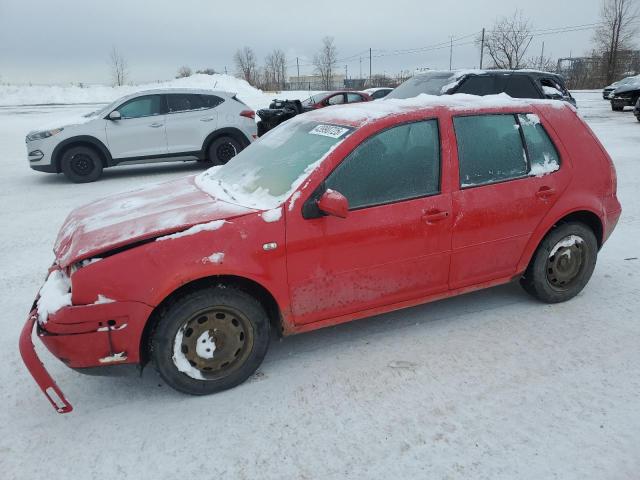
(184, 72)
(275, 70)
(615, 34)
(325, 62)
(246, 64)
(508, 41)
(207, 71)
(119, 67)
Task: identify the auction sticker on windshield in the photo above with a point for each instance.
(332, 131)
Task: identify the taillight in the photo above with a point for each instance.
(249, 114)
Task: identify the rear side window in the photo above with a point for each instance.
(543, 155)
(180, 102)
(520, 86)
(336, 100)
(353, 98)
(397, 164)
(141, 107)
(478, 86)
(490, 149)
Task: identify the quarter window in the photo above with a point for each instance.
(211, 101)
(490, 149)
(141, 107)
(543, 155)
(397, 164)
(519, 86)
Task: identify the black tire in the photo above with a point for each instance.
(558, 270)
(229, 321)
(81, 164)
(223, 149)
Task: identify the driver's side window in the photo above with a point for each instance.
(400, 163)
(336, 100)
(146, 106)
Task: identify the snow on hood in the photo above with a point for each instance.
(142, 214)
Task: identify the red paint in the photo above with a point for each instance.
(325, 270)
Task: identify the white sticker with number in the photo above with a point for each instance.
(332, 131)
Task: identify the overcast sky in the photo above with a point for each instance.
(69, 40)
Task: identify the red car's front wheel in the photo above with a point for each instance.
(210, 340)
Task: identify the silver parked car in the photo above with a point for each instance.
(150, 126)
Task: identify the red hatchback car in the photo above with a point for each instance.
(326, 99)
(335, 215)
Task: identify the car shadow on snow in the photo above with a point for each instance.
(151, 172)
(448, 313)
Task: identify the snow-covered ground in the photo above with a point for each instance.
(490, 385)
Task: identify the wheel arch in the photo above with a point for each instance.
(258, 291)
(80, 140)
(585, 216)
(222, 132)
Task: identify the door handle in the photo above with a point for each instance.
(545, 192)
(433, 216)
(155, 125)
(206, 119)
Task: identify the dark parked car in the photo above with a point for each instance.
(379, 92)
(515, 83)
(625, 95)
(608, 90)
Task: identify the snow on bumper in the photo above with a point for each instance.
(83, 337)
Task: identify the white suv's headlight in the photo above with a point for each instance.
(43, 134)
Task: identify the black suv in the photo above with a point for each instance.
(515, 83)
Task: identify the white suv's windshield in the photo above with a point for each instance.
(263, 175)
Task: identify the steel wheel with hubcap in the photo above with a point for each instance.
(563, 263)
(210, 340)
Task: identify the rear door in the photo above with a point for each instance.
(506, 188)
(190, 118)
(141, 130)
(394, 244)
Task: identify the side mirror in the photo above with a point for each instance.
(115, 115)
(334, 203)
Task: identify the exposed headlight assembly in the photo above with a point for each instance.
(43, 134)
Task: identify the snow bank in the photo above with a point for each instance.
(54, 294)
(55, 94)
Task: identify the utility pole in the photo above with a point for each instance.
(225, 70)
(346, 72)
(481, 49)
(542, 56)
(369, 64)
(298, 65)
(361, 67)
(451, 53)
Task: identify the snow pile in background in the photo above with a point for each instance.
(54, 294)
(55, 94)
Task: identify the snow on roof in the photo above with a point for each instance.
(357, 114)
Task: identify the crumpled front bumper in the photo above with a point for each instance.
(37, 370)
(84, 337)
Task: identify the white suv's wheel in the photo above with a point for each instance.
(223, 149)
(81, 164)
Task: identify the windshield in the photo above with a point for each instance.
(313, 99)
(431, 83)
(263, 175)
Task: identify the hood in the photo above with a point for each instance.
(630, 87)
(132, 217)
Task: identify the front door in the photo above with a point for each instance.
(394, 244)
(510, 176)
(141, 130)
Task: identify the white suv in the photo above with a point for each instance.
(151, 126)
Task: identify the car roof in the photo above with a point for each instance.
(422, 106)
(160, 91)
(524, 71)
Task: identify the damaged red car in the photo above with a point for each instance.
(336, 215)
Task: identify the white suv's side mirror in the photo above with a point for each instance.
(115, 115)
